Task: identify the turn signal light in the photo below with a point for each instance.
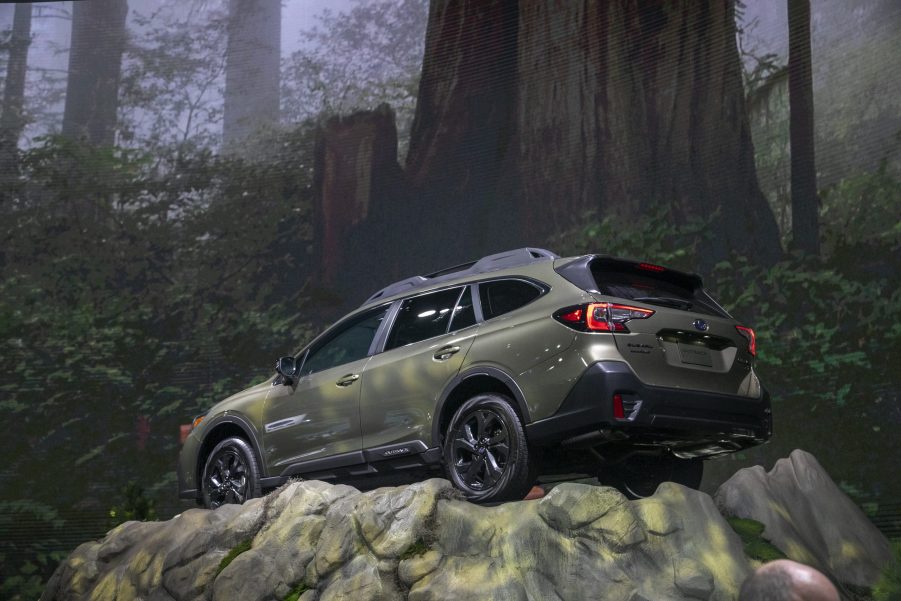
(601, 317)
(751, 337)
(197, 421)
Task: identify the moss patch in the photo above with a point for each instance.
(888, 587)
(415, 550)
(240, 548)
(297, 591)
(751, 534)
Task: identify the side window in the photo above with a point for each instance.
(464, 313)
(423, 317)
(503, 296)
(348, 344)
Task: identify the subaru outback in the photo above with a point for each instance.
(518, 365)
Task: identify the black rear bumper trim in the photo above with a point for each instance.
(666, 414)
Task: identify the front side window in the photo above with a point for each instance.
(349, 343)
(423, 317)
(503, 296)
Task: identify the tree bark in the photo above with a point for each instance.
(12, 120)
(359, 201)
(95, 65)
(623, 107)
(805, 203)
(251, 70)
(531, 114)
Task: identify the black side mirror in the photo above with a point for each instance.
(287, 368)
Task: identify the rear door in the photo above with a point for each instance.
(688, 342)
(424, 349)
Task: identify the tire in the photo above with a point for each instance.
(231, 474)
(639, 476)
(486, 454)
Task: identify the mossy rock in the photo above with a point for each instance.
(230, 557)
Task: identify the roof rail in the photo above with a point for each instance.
(502, 260)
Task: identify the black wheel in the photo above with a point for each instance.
(485, 451)
(231, 474)
(639, 476)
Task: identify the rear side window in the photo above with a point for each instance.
(655, 288)
(503, 296)
(423, 317)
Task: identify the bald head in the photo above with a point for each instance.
(786, 580)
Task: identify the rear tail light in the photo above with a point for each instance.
(751, 337)
(601, 317)
(618, 411)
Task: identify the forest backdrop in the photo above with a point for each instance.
(185, 196)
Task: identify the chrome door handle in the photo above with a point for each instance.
(348, 380)
(445, 353)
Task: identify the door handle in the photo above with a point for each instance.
(348, 380)
(445, 353)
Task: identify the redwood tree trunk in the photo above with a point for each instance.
(805, 203)
(532, 113)
(252, 69)
(95, 65)
(12, 119)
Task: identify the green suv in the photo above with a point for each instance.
(517, 365)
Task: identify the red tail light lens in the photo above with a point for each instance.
(751, 337)
(618, 410)
(601, 317)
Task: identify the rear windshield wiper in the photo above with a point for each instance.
(678, 303)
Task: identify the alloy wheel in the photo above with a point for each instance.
(480, 449)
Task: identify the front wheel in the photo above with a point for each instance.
(639, 476)
(231, 474)
(485, 451)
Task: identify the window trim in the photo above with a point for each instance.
(396, 310)
(541, 286)
(324, 336)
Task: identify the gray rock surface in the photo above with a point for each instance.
(422, 542)
(808, 518)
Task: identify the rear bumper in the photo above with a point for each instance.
(690, 423)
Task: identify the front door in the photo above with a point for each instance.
(319, 414)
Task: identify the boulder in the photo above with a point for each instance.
(424, 542)
(808, 518)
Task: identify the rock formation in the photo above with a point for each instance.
(808, 517)
(423, 541)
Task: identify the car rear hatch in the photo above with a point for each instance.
(676, 335)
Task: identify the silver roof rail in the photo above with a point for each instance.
(502, 260)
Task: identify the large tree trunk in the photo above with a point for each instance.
(12, 120)
(360, 204)
(463, 123)
(626, 106)
(532, 113)
(252, 69)
(95, 65)
(805, 204)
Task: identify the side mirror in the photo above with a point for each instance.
(287, 368)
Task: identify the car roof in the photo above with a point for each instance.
(496, 262)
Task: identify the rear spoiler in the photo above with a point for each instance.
(579, 271)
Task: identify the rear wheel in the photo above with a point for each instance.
(639, 476)
(485, 451)
(231, 474)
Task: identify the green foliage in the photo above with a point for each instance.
(888, 587)
(297, 591)
(241, 547)
(132, 299)
(415, 550)
(751, 534)
(26, 566)
(650, 234)
(135, 506)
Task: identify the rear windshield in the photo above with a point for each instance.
(666, 288)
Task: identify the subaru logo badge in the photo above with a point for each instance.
(700, 324)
